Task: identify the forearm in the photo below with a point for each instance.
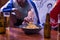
(31, 14)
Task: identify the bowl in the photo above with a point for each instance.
(31, 31)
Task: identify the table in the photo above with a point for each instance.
(18, 34)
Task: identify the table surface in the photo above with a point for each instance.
(18, 34)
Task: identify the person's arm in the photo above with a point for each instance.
(4, 6)
(30, 16)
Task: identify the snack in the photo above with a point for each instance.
(31, 26)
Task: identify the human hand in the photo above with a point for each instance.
(27, 20)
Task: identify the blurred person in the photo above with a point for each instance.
(54, 15)
(22, 10)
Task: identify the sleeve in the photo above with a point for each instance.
(7, 7)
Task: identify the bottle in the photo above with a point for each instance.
(2, 27)
(47, 27)
(59, 22)
(6, 18)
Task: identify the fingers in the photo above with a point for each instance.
(26, 19)
(29, 19)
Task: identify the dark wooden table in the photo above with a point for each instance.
(18, 34)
